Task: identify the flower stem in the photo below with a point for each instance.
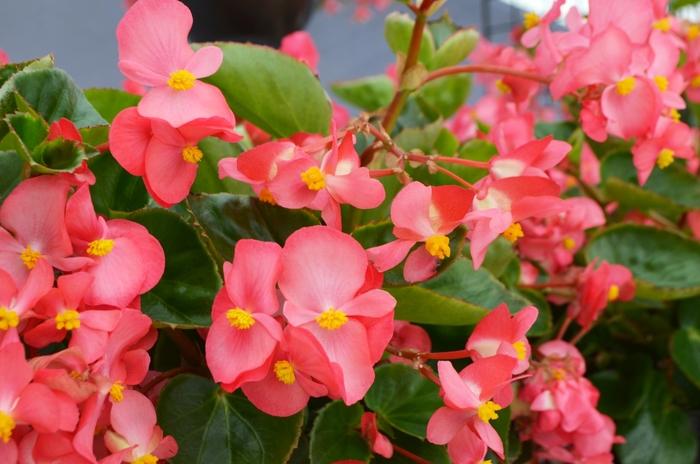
(407, 454)
(445, 355)
(485, 69)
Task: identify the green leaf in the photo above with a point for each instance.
(368, 93)
(274, 91)
(403, 398)
(10, 69)
(228, 218)
(420, 138)
(336, 435)
(671, 190)
(207, 180)
(457, 296)
(443, 97)
(456, 48)
(115, 190)
(398, 28)
(11, 165)
(665, 265)
(184, 295)
(685, 351)
(212, 427)
(109, 102)
(446, 143)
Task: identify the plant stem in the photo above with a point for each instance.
(170, 374)
(485, 69)
(577, 338)
(382, 172)
(407, 454)
(188, 349)
(564, 326)
(454, 176)
(445, 355)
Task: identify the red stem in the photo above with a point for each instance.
(454, 176)
(382, 172)
(407, 454)
(485, 69)
(577, 338)
(163, 376)
(546, 285)
(430, 375)
(564, 326)
(445, 355)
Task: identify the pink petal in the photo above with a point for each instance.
(466, 447)
(38, 283)
(133, 418)
(169, 175)
(276, 398)
(331, 214)
(410, 212)
(251, 280)
(43, 334)
(635, 114)
(420, 265)
(288, 188)
(38, 407)
(152, 254)
(205, 61)
(374, 303)
(450, 204)
(444, 424)
(457, 395)
(389, 255)
(357, 189)
(73, 287)
(15, 374)
(489, 435)
(90, 342)
(128, 138)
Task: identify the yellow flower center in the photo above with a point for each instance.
(520, 350)
(693, 32)
(558, 373)
(100, 247)
(665, 158)
(503, 87)
(513, 232)
(267, 197)
(145, 459)
(181, 79)
(695, 82)
(192, 154)
(30, 257)
(626, 85)
(438, 246)
(8, 318)
(569, 243)
(68, 319)
(240, 318)
(7, 425)
(331, 319)
(661, 83)
(116, 392)
(487, 461)
(663, 24)
(487, 411)
(530, 20)
(313, 178)
(284, 371)
(613, 292)
(673, 114)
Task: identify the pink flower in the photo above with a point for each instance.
(299, 370)
(4, 59)
(337, 179)
(599, 286)
(322, 272)
(531, 159)
(499, 333)
(300, 45)
(422, 214)
(64, 129)
(34, 229)
(409, 336)
(17, 303)
(153, 51)
(64, 313)
(124, 260)
(243, 336)
(499, 207)
(135, 433)
(668, 141)
(468, 404)
(590, 166)
(379, 443)
(165, 156)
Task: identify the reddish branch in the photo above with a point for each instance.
(485, 69)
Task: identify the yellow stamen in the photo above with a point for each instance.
(513, 232)
(30, 257)
(663, 24)
(661, 83)
(665, 158)
(558, 374)
(116, 392)
(8, 318)
(673, 114)
(181, 79)
(487, 411)
(267, 197)
(100, 247)
(520, 350)
(693, 32)
(626, 85)
(68, 319)
(613, 293)
(146, 459)
(530, 20)
(284, 371)
(331, 319)
(487, 461)
(569, 243)
(695, 82)
(438, 246)
(7, 425)
(503, 87)
(192, 154)
(313, 178)
(240, 318)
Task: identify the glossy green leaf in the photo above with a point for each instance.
(11, 167)
(109, 102)
(211, 426)
(207, 180)
(228, 218)
(685, 351)
(398, 28)
(184, 295)
(419, 138)
(665, 265)
(10, 69)
(403, 398)
(272, 90)
(456, 48)
(443, 97)
(367, 93)
(336, 435)
(115, 190)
